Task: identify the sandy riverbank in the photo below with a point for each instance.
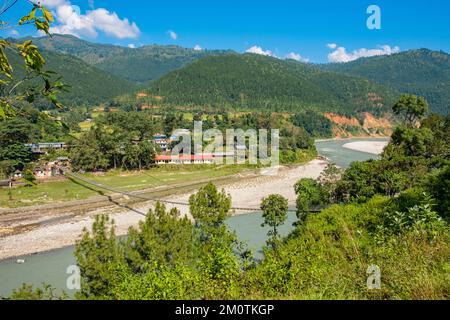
(245, 193)
(372, 147)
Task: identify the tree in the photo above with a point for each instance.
(329, 180)
(88, 158)
(209, 206)
(147, 154)
(412, 108)
(97, 253)
(412, 142)
(15, 91)
(18, 153)
(309, 194)
(164, 237)
(439, 187)
(275, 208)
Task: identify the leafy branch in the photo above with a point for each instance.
(10, 95)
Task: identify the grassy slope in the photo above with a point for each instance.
(329, 257)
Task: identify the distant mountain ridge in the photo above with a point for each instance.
(100, 72)
(141, 65)
(422, 72)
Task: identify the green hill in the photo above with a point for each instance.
(141, 65)
(422, 72)
(256, 82)
(88, 84)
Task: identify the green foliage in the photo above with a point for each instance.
(314, 123)
(275, 209)
(410, 160)
(96, 253)
(412, 108)
(140, 65)
(363, 180)
(327, 258)
(34, 82)
(166, 257)
(18, 153)
(412, 142)
(418, 219)
(439, 187)
(421, 72)
(119, 139)
(27, 292)
(299, 156)
(310, 195)
(164, 238)
(30, 127)
(85, 84)
(256, 82)
(209, 206)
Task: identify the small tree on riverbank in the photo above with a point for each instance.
(275, 208)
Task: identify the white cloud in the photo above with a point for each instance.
(131, 46)
(332, 45)
(51, 3)
(259, 50)
(198, 48)
(341, 54)
(296, 56)
(111, 24)
(69, 20)
(14, 33)
(172, 35)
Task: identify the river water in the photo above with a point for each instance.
(51, 267)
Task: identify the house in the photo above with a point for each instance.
(17, 175)
(55, 168)
(162, 141)
(41, 173)
(45, 147)
(185, 159)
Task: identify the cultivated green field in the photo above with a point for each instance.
(60, 191)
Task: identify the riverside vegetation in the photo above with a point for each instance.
(392, 212)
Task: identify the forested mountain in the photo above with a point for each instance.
(141, 64)
(421, 72)
(87, 84)
(257, 82)
(98, 72)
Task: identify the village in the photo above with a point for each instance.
(57, 168)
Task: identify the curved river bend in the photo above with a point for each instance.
(50, 267)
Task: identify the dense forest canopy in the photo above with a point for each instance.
(421, 72)
(257, 82)
(86, 84)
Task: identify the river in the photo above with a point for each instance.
(51, 267)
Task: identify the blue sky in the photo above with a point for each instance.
(300, 28)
